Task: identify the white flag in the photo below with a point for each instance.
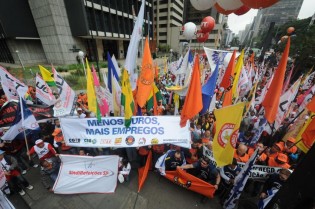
(308, 81)
(11, 85)
(132, 52)
(65, 103)
(44, 92)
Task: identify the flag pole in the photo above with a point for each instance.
(27, 148)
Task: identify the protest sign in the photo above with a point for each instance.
(111, 132)
(260, 171)
(86, 174)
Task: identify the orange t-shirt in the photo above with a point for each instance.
(273, 163)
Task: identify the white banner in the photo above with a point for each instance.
(65, 102)
(111, 132)
(260, 171)
(11, 85)
(44, 92)
(86, 174)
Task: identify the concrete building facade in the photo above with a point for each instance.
(44, 31)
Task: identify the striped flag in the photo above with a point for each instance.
(48, 77)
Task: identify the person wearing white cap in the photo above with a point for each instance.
(15, 179)
(43, 149)
(80, 113)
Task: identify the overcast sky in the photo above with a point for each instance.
(237, 23)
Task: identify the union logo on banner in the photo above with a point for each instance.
(227, 134)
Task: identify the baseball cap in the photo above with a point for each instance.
(38, 141)
(79, 109)
(2, 152)
(279, 145)
(282, 158)
(56, 132)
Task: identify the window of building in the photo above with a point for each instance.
(163, 18)
(106, 3)
(163, 10)
(115, 24)
(90, 18)
(99, 21)
(121, 25)
(113, 4)
(106, 22)
(162, 25)
(120, 4)
(176, 11)
(162, 33)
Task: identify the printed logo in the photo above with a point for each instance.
(90, 141)
(106, 141)
(154, 141)
(75, 140)
(130, 140)
(225, 134)
(142, 141)
(182, 182)
(118, 141)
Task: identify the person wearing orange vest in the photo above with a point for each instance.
(261, 160)
(280, 161)
(240, 153)
(160, 108)
(206, 137)
(289, 146)
(274, 150)
(60, 142)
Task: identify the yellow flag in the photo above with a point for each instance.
(127, 98)
(227, 125)
(301, 143)
(90, 89)
(47, 76)
(238, 69)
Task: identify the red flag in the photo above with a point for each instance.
(311, 105)
(227, 98)
(193, 101)
(184, 179)
(272, 98)
(143, 172)
(227, 80)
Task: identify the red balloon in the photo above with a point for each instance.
(242, 10)
(259, 4)
(221, 10)
(207, 24)
(201, 37)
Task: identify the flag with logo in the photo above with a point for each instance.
(272, 98)
(65, 103)
(11, 85)
(285, 101)
(48, 77)
(227, 82)
(132, 53)
(24, 119)
(146, 76)
(227, 126)
(44, 92)
(127, 98)
(240, 182)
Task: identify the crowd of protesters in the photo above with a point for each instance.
(274, 152)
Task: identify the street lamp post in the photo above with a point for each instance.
(17, 52)
(81, 56)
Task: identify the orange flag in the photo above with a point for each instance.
(311, 105)
(272, 98)
(143, 172)
(227, 80)
(188, 181)
(146, 76)
(308, 137)
(193, 101)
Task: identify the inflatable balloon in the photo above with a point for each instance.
(284, 38)
(230, 4)
(221, 10)
(242, 10)
(189, 30)
(201, 36)
(202, 4)
(207, 24)
(290, 30)
(259, 4)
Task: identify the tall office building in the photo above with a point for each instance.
(281, 12)
(167, 14)
(43, 31)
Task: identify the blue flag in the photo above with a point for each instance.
(24, 119)
(208, 90)
(111, 70)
